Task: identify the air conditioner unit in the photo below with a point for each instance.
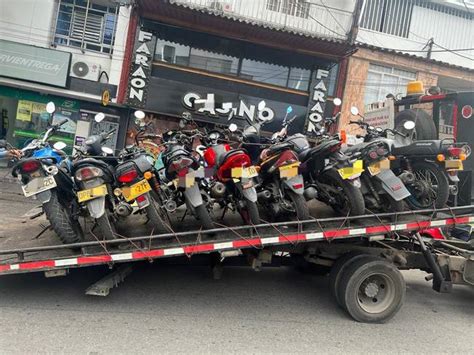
(85, 70)
(220, 6)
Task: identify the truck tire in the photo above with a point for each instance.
(68, 230)
(300, 206)
(372, 290)
(424, 124)
(422, 170)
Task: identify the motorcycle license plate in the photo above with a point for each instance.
(454, 164)
(376, 168)
(38, 185)
(249, 172)
(90, 194)
(289, 171)
(132, 192)
(352, 171)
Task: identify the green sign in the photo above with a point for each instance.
(42, 65)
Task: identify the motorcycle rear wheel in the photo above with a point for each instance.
(250, 213)
(67, 229)
(349, 198)
(428, 173)
(106, 227)
(300, 205)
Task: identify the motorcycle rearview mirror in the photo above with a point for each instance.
(233, 127)
(354, 111)
(289, 110)
(337, 101)
(59, 145)
(261, 105)
(99, 117)
(50, 107)
(139, 114)
(409, 125)
(107, 150)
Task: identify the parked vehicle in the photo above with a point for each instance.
(281, 186)
(422, 165)
(181, 176)
(383, 191)
(94, 176)
(137, 183)
(233, 184)
(330, 176)
(43, 173)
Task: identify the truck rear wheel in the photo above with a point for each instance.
(372, 290)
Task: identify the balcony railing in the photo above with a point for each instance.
(300, 16)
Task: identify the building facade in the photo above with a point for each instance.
(66, 51)
(252, 58)
(405, 40)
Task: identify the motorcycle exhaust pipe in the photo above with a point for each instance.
(123, 209)
(170, 206)
(264, 195)
(218, 190)
(310, 193)
(407, 177)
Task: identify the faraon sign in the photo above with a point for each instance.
(317, 102)
(141, 68)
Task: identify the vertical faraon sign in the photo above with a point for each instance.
(317, 101)
(140, 69)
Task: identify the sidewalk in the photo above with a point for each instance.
(5, 175)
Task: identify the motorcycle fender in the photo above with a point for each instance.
(249, 194)
(453, 178)
(96, 207)
(193, 196)
(392, 185)
(295, 181)
(44, 196)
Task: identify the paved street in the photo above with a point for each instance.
(164, 308)
(181, 309)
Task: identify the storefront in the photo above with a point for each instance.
(23, 109)
(175, 69)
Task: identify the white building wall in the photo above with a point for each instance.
(447, 30)
(32, 22)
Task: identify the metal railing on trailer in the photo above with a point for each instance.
(229, 238)
(364, 278)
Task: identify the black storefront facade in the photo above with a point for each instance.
(172, 68)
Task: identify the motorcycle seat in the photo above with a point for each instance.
(419, 148)
(224, 156)
(280, 147)
(324, 146)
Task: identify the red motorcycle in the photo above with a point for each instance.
(233, 182)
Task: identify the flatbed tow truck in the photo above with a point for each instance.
(362, 254)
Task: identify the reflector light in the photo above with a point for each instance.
(88, 173)
(298, 186)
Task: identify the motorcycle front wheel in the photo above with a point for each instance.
(344, 198)
(431, 186)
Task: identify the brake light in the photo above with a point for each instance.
(381, 151)
(455, 152)
(88, 173)
(127, 176)
(180, 164)
(210, 157)
(373, 154)
(30, 166)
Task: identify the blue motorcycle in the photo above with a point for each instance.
(44, 173)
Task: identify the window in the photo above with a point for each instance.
(264, 72)
(83, 24)
(234, 58)
(382, 81)
(298, 8)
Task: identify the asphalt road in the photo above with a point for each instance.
(170, 309)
